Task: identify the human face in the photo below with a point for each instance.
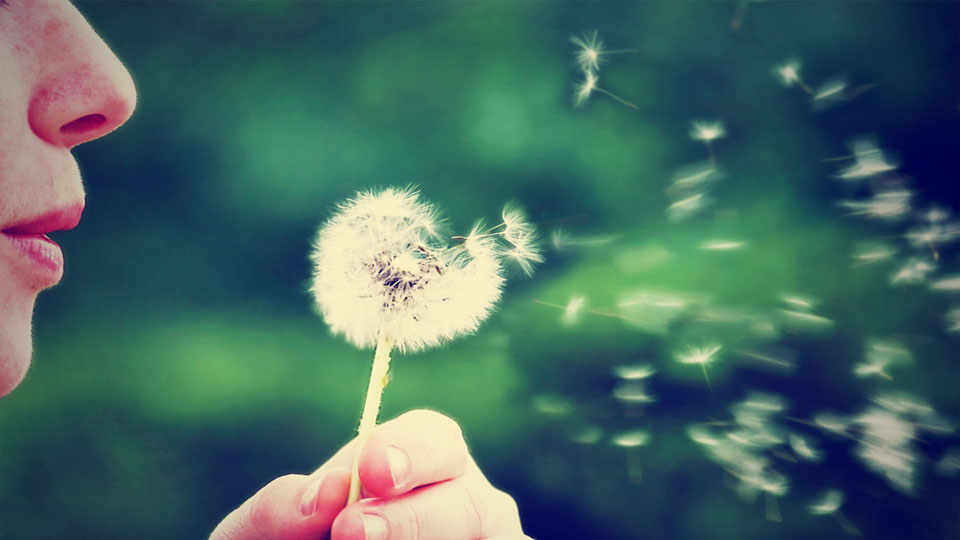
(60, 86)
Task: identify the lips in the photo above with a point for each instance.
(43, 255)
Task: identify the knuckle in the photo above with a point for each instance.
(435, 422)
(476, 511)
(261, 511)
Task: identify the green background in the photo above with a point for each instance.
(180, 366)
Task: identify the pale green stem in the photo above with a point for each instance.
(371, 408)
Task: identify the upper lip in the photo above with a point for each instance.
(62, 219)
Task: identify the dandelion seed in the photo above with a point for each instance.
(688, 206)
(703, 436)
(631, 441)
(634, 372)
(588, 434)
(870, 162)
(798, 301)
(912, 272)
(830, 93)
(383, 276)
(633, 392)
(935, 214)
(885, 447)
(706, 131)
(949, 464)
(588, 86)
(947, 284)
(802, 448)
(589, 50)
(805, 321)
(699, 355)
(890, 205)
(827, 503)
(880, 355)
(723, 245)
(562, 241)
(552, 404)
(952, 319)
(832, 422)
(789, 75)
(932, 235)
(573, 310)
(872, 253)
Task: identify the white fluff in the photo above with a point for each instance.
(382, 269)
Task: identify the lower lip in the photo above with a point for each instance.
(44, 254)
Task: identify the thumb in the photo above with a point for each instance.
(292, 507)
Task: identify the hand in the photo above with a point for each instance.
(419, 483)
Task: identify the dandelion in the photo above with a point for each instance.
(588, 86)
(383, 276)
(699, 355)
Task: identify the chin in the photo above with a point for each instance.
(16, 345)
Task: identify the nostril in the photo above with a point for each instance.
(84, 124)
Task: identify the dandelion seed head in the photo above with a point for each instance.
(706, 131)
(380, 268)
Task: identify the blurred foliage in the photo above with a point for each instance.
(180, 366)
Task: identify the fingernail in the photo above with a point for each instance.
(374, 527)
(308, 500)
(399, 465)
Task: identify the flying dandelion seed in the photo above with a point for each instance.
(870, 253)
(562, 241)
(828, 504)
(789, 75)
(588, 434)
(832, 423)
(699, 355)
(803, 449)
(723, 245)
(586, 87)
(553, 404)
(590, 51)
(933, 235)
(384, 276)
(952, 319)
(879, 356)
(870, 161)
(707, 132)
(912, 272)
(888, 205)
(947, 284)
(631, 441)
(573, 310)
(797, 301)
(634, 372)
(949, 464)
(830, 93)
(688, 206)
(633, 393)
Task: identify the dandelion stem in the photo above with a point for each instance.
(805, 87)
(847, 525)
(371, 408)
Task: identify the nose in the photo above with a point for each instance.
(84, 92)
